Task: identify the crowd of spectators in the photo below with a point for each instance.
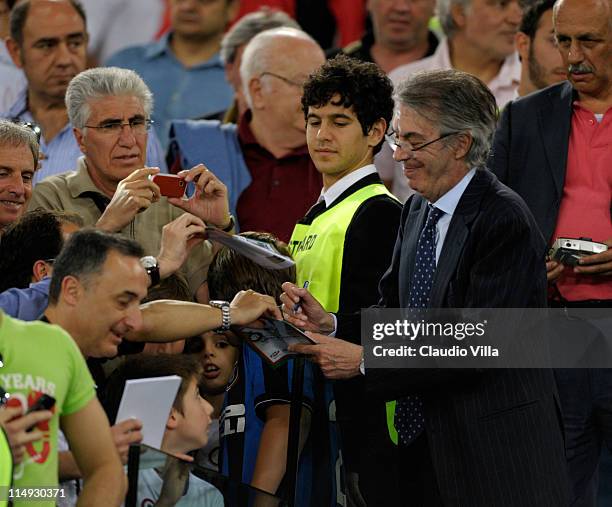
(411, 154)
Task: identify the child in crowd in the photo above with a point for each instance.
(186, 428)
(218, 354)
(252, 400)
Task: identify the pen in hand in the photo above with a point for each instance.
(296, 306)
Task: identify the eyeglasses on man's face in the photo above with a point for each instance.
(408, 147)
(283, 78)
(139, 126)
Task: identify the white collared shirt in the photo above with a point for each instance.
(448, 203)
(333, 192)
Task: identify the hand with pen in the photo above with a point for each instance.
(301, 309)
(338, 359)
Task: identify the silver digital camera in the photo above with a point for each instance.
(569, 250)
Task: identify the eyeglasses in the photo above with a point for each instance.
(282, 78)
(138, 126)
(396, 144)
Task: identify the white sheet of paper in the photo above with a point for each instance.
(149, 400)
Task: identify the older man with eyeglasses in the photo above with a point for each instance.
(465, 241)
(51, 53)
(111, 188)
(264, 159)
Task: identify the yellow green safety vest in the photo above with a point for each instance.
(318, 250)
(6, 468)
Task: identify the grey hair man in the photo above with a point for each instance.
(265, 156)
(236, 39)
(465, 241)
(19, 153)
(553, 149)
(479, 40)
(51, 53)
(110, 110)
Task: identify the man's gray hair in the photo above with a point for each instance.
(445, 15)
(93, 84)
(262, 50)
(456, 102)
(249, 26)
(16, 134)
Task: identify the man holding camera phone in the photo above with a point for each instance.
(111, 187)
(553, 148)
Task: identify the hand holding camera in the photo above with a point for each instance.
(584, 254)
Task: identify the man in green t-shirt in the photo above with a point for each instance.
(41, 359)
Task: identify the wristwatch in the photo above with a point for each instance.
(362, 365)
(231, 225)
(226, 319)
(151, 266)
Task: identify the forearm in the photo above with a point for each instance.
(175, 320)
(68, 469)
(271, 456)
(271, 462)
(106, 487)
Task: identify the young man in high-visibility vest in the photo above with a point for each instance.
(344, 243)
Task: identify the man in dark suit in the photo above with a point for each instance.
(483, 438)
(554, 148)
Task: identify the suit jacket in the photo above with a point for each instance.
(530, 150)
(494, 435)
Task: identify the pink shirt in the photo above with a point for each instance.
(587, 196)
(504, 86)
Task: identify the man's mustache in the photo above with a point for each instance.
(579, 68)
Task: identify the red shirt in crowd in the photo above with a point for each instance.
(587, 194)
(282, 190)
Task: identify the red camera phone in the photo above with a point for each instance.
(170, 185)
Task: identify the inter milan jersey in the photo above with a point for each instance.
(257, 387)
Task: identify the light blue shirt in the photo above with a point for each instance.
(60, 155)
(26, 304)
(448, 203)
(180, 92)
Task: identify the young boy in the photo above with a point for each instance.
(186, 428)
(253, 399)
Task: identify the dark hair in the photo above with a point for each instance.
(19, 16)
(10, 3)
(532, 14)
(360, 85)
(230, 272)
(85, 253)
(148, 366)
(173, 287)
(37, 235)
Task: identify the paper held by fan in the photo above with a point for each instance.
(260, 252)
